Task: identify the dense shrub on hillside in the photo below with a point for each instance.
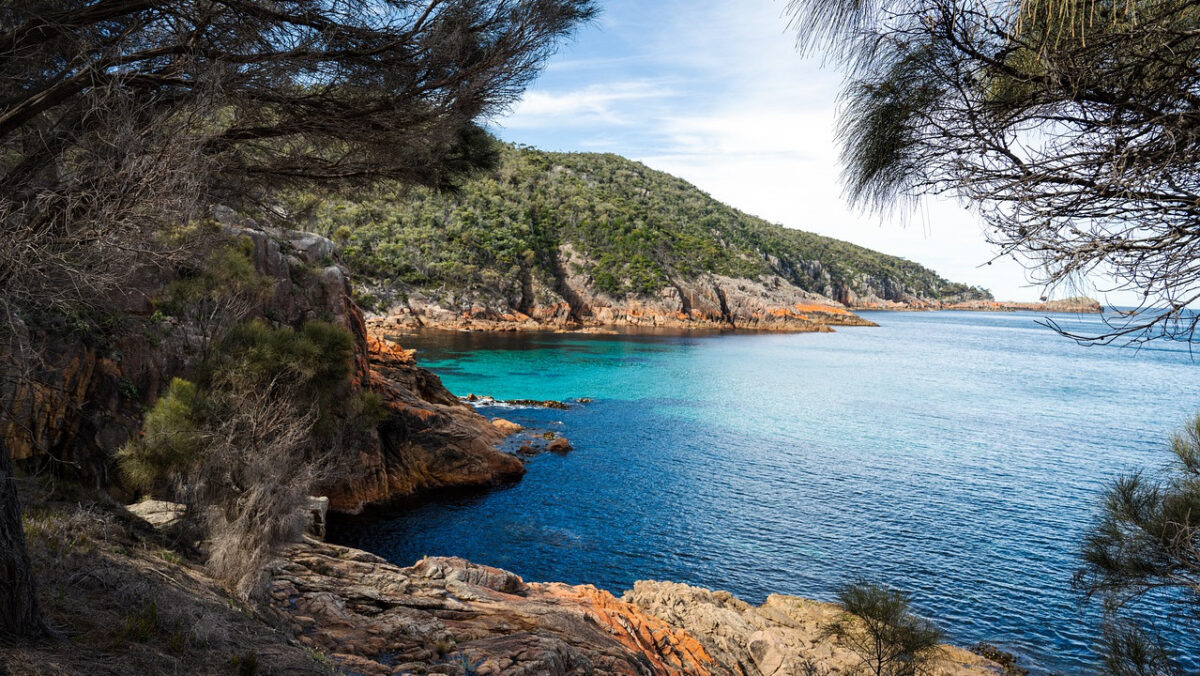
(169, 443)
(637, 227)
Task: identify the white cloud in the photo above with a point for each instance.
(594, 105)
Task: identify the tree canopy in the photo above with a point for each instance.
(119, 115)
(1072, 127)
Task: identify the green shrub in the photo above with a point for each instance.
(244, 445)
(316, 359)
(169, 442)
(228, 270)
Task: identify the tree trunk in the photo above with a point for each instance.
(20, 616)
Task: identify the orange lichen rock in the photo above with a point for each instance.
(383, 351)
(377, 618)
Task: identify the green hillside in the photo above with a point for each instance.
(637, 229)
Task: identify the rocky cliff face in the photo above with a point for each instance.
(429, 440)
(570, 300)
(88, 394)
(450, 616)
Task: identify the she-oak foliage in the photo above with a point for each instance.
(1071, 126)
(1146, 547)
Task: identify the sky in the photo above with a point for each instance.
(715, 92)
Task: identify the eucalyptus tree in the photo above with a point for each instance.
(121, 117)
(1071, 126)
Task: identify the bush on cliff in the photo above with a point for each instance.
(213, 296)
(244, 446)
(880, 628)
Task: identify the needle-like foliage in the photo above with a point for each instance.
(879, 626)
(1146, 544)
(1071, 126)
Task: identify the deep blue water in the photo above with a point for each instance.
(958, 456)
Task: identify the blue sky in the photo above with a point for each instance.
(715, 92)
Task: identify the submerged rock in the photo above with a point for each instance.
(536, 403)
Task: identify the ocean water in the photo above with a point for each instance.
(958, 456)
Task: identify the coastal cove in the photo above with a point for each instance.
(956, 455)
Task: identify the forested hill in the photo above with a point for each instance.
(628, 230)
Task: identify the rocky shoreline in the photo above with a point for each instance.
(450, 616)
(1079, 305)
(710, 303)
(439, 616)
(1076, 305)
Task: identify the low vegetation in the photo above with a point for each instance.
(247, 441)
(126, 599)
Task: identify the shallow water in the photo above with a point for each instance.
(958, 456)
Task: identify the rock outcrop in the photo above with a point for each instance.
(89, 392)
(782, 637)
(1077, 305)
(429, 440)
(450, 616)
(770, 303)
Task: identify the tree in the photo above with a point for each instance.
(119, 118)
(1072, 126)
(879, 627)
(1146, 546)
(21, 616)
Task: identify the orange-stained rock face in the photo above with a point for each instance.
(431, 439)
(376, 618)
(667, 648)
(708, 302)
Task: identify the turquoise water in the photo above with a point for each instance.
(958, 456)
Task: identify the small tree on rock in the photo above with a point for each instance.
(879, 627)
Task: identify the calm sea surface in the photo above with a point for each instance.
(958, 456)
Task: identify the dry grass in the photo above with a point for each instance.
(125, 601)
